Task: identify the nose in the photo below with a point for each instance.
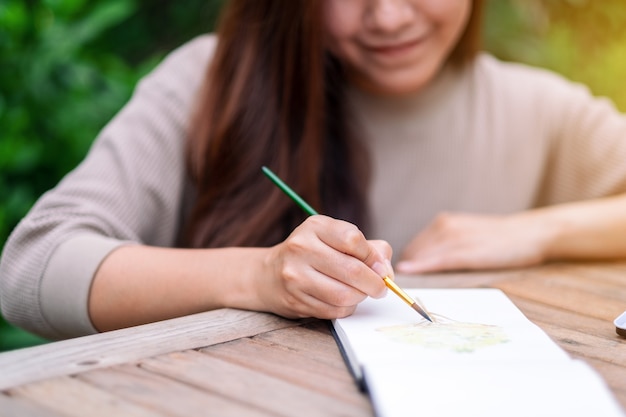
(389, 15)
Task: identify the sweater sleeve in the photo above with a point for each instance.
(581, 138)
(588, 148)
(587, 137)
(128, 190)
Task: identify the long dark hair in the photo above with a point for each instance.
(274, 96)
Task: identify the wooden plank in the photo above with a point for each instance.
(128, 345)
(542, 313)
(322, 326)
(13, 407)
(583, 345)
(564, 291)
(589, 280)
(171, 397)
(292, 366)
(324, 349)
(251, 387)
(610, 273)
(70, 397)
(468, 279)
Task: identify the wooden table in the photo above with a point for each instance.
(240, 363)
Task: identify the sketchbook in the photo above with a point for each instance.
(480, 357)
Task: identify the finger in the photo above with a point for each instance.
(347, 238)
(309, 306)
(446, 260)
(437, 257)
(322, 297)
(383, 247)
(342, 236)
(419, 266)
(350, 271)
(427, 252)
(335, 293)
(348, 256)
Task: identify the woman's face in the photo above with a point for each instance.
(394, 47)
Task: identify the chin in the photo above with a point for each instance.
(404, 83)
(400, 88)
(395, 82)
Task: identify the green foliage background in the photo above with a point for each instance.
(66, 67)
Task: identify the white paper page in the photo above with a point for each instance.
(478, 389)
(382, 329)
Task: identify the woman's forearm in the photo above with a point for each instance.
(594, 229)
(587, 230)
(140, 284)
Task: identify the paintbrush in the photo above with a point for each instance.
(311, 211)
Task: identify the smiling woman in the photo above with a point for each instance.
(358, 105)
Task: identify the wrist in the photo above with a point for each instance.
(244, 270)
(554, 233)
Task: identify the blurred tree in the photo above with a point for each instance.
(581, 39)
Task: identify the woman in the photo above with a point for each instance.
(381, 113)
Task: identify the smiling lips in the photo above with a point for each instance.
(395, 50)
(397, 47)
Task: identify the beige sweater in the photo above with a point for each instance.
(495, 138)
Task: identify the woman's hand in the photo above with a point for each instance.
(584, 230)
(468, 242)
(324, 269)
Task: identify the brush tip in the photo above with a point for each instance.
(421, 312)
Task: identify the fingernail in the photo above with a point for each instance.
(382, 269)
